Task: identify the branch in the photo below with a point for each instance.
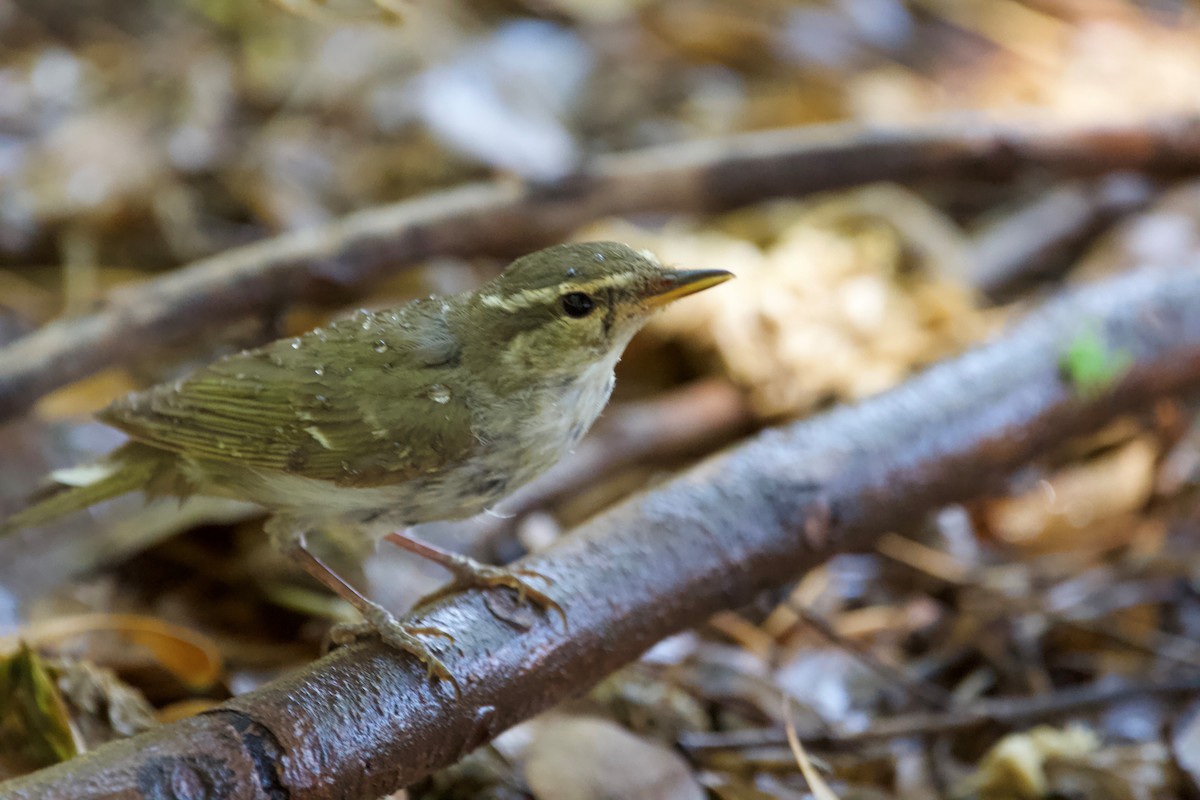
(504, 217)
(1048, 234)
(364, 721)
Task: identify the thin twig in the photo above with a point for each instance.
(1006, 711)
(1181, 650)
(925, 693)
(1046, 235)
(816, 783)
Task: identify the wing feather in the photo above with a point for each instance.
(352, 403)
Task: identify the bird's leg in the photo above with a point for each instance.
(469, 573)
(378, 621)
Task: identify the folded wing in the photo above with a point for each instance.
(364, 402)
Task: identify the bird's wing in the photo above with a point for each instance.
(365, 402)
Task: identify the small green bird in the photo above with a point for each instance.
(431, 411)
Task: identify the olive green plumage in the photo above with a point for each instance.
(431, 411)
(356, 403)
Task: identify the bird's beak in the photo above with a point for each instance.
(680, 283)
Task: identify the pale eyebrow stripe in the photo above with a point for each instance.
(530, 297)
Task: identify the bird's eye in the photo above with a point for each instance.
(577, 304)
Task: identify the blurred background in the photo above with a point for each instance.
(141, 135)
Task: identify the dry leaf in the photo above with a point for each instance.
(109, 707)
(1014, 768)
(1049, 762)
(119, 639)
(1098, 497)
(587, 758)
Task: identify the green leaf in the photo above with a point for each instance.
(1091, 366)
(28, 692)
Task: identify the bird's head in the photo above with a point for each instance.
(559, 311)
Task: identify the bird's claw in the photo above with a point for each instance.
(379, 623)
(469, 574)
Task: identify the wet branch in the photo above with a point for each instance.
(505, 217)
(364, 721)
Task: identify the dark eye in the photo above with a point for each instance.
(577, 304)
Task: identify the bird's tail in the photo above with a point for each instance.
(124, 470)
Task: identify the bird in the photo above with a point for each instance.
(434, 410)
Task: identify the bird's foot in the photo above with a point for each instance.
(470, 574)
(379, 623)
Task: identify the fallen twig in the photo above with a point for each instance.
(924, 693)
(364, 721)
(999, 710)
(505, 217)
(1179, 649)
(1047, 235)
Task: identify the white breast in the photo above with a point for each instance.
(539, 427)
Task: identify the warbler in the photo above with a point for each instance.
(434, 410)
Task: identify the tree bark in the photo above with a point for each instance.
(365, 721)
(505, 217)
